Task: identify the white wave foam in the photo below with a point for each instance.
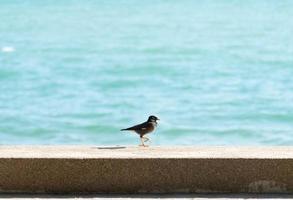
(7, 49)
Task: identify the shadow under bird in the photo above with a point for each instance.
(144, 128)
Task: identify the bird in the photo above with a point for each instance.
(144, 128)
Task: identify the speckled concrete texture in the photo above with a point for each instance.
(137, 170)
(149, 197)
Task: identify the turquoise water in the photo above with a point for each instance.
(215, 72)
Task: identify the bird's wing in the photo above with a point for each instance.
(138, 127)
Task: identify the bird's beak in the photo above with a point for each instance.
(158, 119)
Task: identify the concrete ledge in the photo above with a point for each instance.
(78, 169)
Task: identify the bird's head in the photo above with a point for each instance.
(153, 118)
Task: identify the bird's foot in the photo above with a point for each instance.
(143, 145)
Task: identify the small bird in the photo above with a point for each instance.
(144, 128)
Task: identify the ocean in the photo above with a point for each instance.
(215, 72)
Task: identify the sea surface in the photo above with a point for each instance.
(215, 72)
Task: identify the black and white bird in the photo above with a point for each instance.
(144, 128)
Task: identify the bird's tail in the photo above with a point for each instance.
(124, 129)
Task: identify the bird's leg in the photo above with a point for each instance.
(146, 139)
(142, 141)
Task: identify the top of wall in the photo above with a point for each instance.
(134, 152)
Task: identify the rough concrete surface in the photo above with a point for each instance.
(139, 170)
(150, 197)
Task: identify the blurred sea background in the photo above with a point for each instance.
(215, 72)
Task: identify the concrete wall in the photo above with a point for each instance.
(77, 169)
